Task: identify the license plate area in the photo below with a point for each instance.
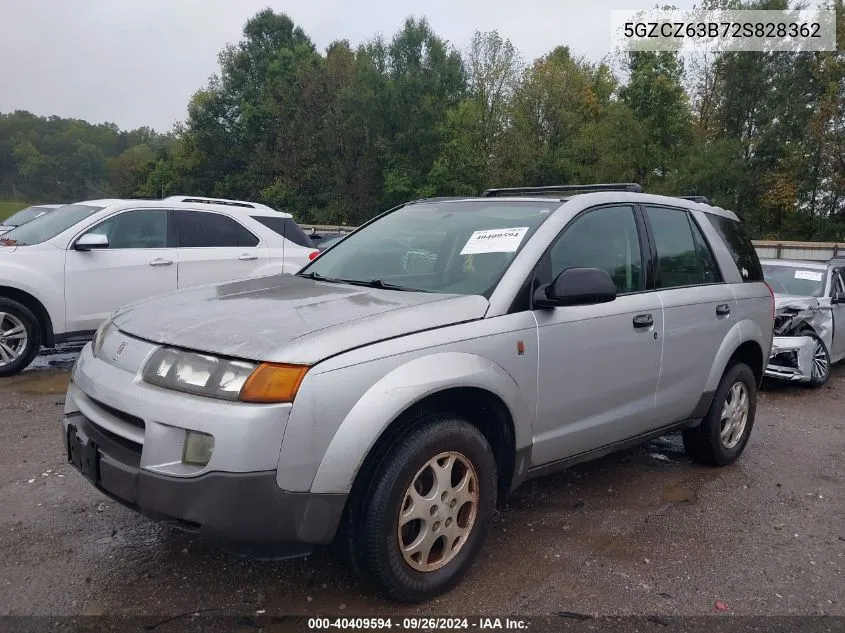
(83, 454)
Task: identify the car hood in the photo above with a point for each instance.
(795, 302)
(289, 319)
(7, 249)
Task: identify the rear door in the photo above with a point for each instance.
(138, 263)
(213, 247)
(699, 309)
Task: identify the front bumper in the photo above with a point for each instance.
(127, 438)
(791, 358)
(236, 508)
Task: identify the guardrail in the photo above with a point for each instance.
(817, 251)
(767, 249)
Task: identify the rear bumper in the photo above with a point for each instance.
(791, 358)
(234, 508)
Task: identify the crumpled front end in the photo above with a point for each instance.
(791, 359)
(792, 351)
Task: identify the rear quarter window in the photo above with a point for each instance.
(287, 228)
(739, 245)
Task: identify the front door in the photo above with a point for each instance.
(838, 290)
(137, 264)
(599, 364)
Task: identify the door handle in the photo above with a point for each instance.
(246, 257)
(723, 309)
(161, 262)
(643, 320)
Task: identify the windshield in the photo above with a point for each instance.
(794, 280)
(46, 227)
(25, 215)
(446, 247)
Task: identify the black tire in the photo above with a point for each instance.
(704, 444)
(33, 333)
(818, 380)
(375, 538)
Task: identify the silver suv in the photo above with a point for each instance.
(388, 395)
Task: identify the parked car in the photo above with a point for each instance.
(25, 215)
(63, 273)
(810, 302)
(390, 410)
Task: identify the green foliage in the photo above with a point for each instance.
(340, 135)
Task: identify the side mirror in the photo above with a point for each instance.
(576, 286)
(90, 241)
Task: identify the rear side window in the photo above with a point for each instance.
(287, 228)
(706, 262)
(677, 253)
(739, 246)
(197, 229)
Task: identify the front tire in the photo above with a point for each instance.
(723, 433)
(428, 511)
(821, 362)
(20, 337)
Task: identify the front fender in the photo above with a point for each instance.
(404, 386)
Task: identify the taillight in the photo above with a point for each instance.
(313, 255)
(772, 299)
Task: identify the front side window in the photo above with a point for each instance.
(455, 247)
(605, 238)
(198, 229)
(46, 227)
(839, 284)
(677, 253)
(801, 281)
(145, 228)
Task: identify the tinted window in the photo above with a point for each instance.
(135, 229)
(706, 262)
(285, 227)
(49, 225)
(451, 247)
(604, 238)
(739, 245)
(677, 255)
(196, 229)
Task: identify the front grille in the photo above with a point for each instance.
(120, 415)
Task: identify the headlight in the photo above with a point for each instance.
(213, 377)
(100, 335)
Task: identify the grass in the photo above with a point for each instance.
(8, 208)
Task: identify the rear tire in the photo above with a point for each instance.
(723, 433)
(443, 479)
(20, 337)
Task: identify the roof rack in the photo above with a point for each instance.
(701, 199)
(221, 201)
(619, 186)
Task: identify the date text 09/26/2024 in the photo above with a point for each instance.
(417, 624)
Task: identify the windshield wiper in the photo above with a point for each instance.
(378, 283)
(319, 277)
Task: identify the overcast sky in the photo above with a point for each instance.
(137, 62)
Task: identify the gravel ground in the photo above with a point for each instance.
(638, 532)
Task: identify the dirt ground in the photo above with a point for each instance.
(639, 532)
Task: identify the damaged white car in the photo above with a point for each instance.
(809, 320)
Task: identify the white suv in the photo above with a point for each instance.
(63, 273)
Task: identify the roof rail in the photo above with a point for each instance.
(701, 199)
(619, 186)
(221, 201)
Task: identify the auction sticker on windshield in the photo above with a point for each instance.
(494, 241)
(808, 275)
